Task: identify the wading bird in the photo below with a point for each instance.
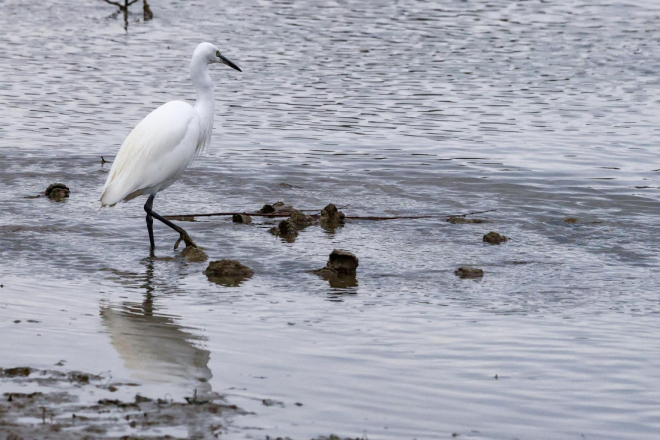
(159, 149)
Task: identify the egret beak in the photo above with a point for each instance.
(229, 63)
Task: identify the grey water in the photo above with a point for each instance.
(538, 110)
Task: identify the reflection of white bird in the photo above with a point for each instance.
(163, 144)
(157, 349)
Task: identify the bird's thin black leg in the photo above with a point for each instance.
(183, 235)
(150, 220)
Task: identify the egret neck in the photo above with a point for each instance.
(205, 104)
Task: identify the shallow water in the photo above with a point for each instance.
(540, 111)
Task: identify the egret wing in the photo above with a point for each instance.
(155, 153)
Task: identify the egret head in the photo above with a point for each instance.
(211, 54)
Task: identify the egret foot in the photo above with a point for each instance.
(186, 239)
(183, 235)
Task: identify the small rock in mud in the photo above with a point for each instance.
(571, 220)
(331, 216)
(57, 192)
(459, 220)
(469, 272)
(227, 272)
(494, 238)
(16, 371)
(241, 218)
(194, 254)
(267, 209)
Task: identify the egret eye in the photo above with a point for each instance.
(217, 53)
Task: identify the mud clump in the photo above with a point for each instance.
(241, 218)
(227, 268)
(494, 238)
(194, 254)
(57, 192)
(300, 220)
(227, 272)
(330, 215)
(276, 208)
(282, 208)
(340, 270)
(17, 371)
(469, 272)
(288, 229)
(459, 220)
(343, 262)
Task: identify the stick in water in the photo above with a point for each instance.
(348, 217)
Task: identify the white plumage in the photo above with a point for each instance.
(155, 153)
(159, 149)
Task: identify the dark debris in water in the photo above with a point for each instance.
(271, 402)
(331, 218)
(494, 238)
(469, 272)
(241, 218)
(16, 371)
(276, 208)
(288, 229)
(57, 192)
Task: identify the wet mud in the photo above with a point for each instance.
(77, 405)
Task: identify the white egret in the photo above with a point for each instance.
(159, 149)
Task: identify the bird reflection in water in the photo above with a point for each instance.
(153, 346)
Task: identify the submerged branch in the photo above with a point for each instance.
(348, 217)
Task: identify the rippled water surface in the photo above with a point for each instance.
(538, 110)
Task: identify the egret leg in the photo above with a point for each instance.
(183, 235)
(150, 220)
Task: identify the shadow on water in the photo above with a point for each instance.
(153, 346)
